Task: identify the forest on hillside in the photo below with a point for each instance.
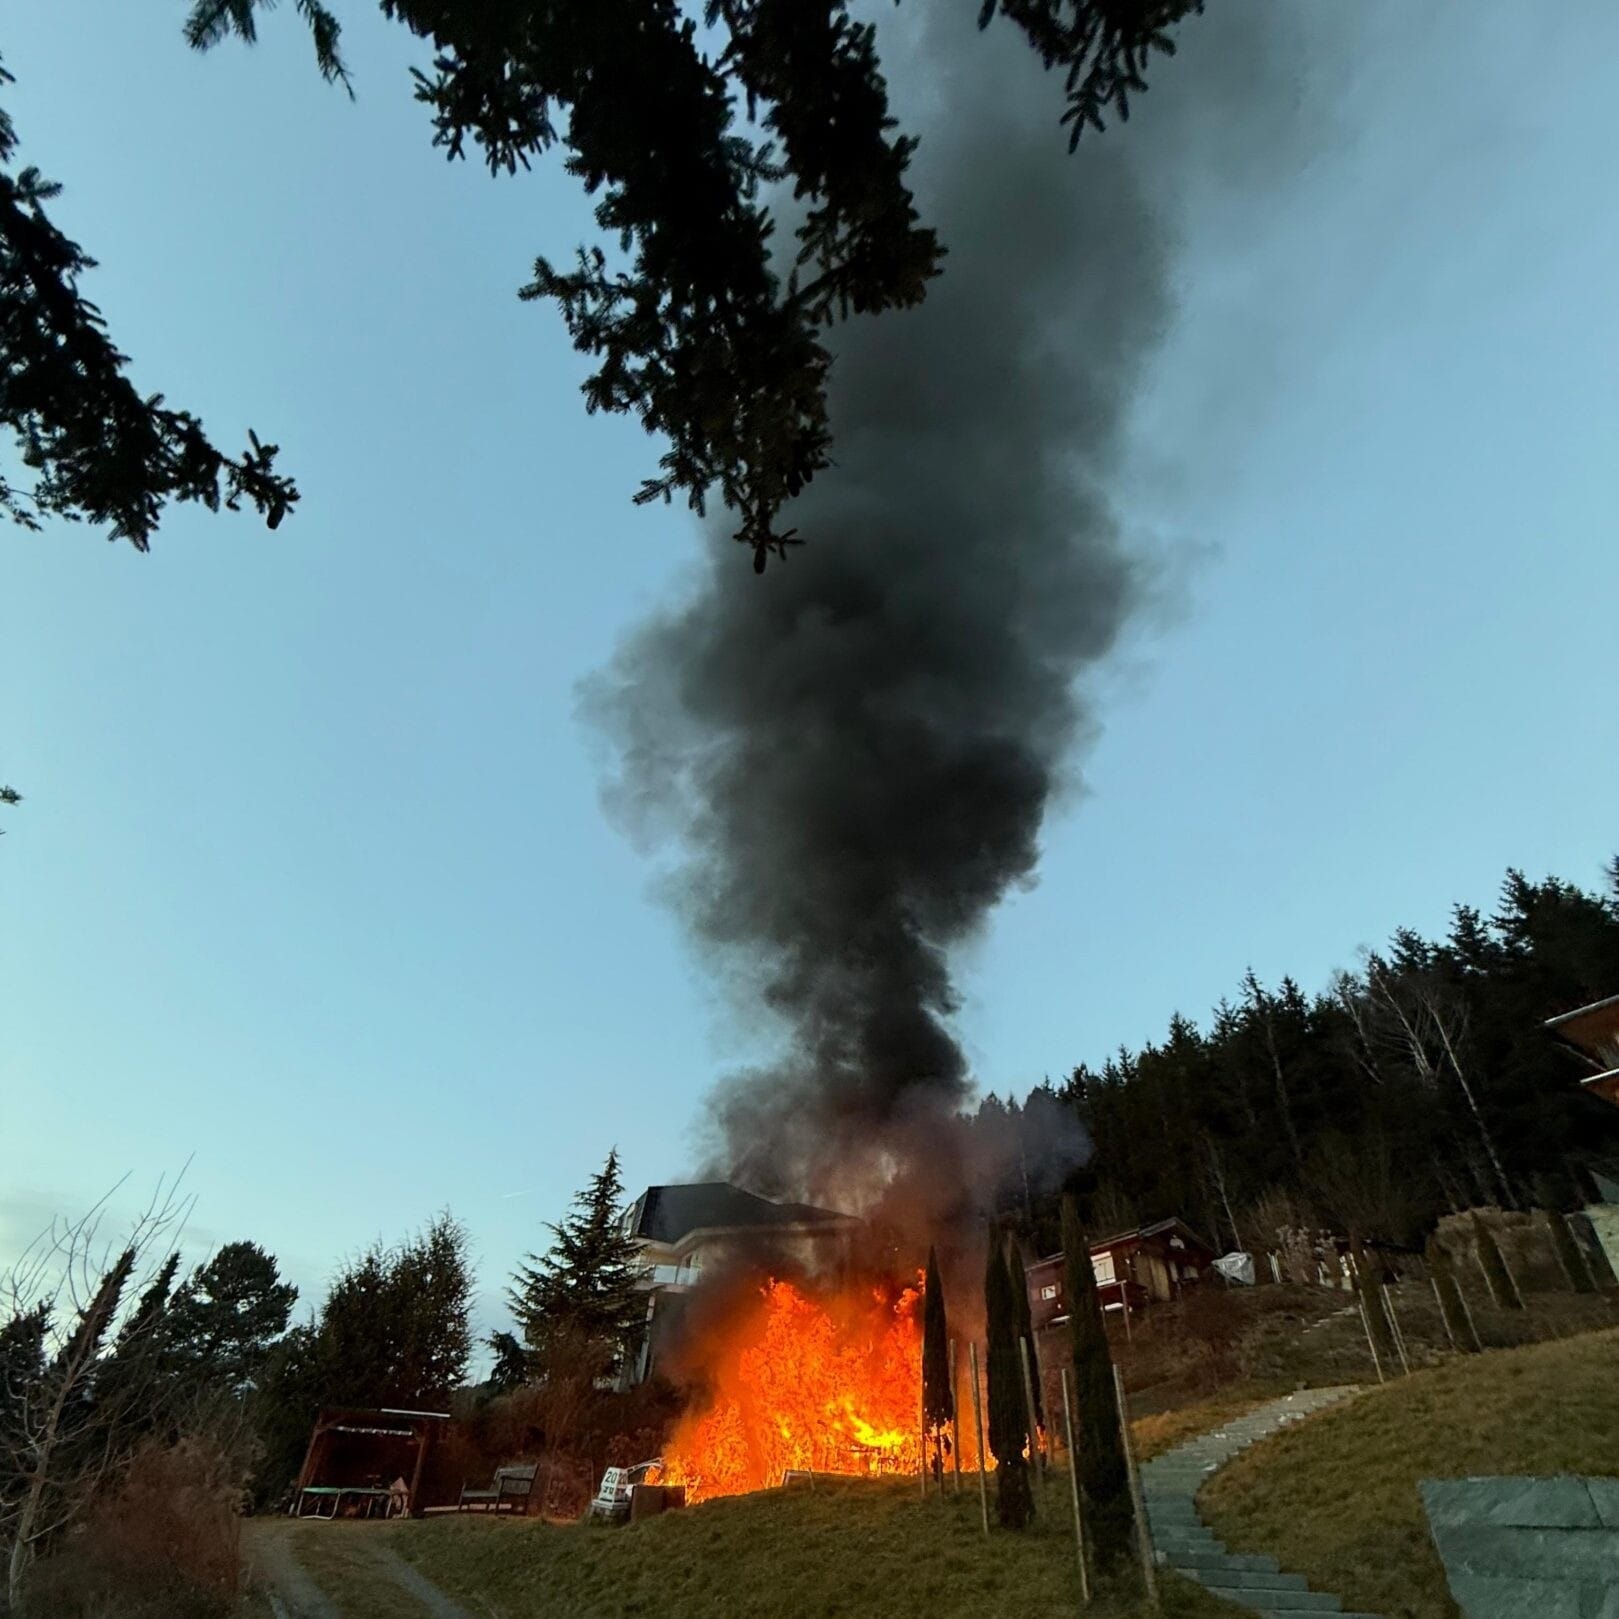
(1422, 1082)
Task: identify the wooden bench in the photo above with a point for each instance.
(510, 1489)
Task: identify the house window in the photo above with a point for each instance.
(1049, 1291)
(1102, 1264)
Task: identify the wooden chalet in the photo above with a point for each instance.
(1134, 1269)
(1593, 1031)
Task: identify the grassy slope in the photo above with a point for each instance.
(1337, 1499)
(853, 1549)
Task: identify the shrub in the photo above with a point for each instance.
(165, 1544)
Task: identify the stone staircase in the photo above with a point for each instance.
(1186, 1544)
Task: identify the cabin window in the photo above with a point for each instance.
(1049, 1291)
(1102, 1264)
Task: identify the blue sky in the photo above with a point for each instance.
(312, 884)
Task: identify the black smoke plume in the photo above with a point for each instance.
(857, 750)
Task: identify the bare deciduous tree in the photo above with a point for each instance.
(71, 1407)
(1429, 1026)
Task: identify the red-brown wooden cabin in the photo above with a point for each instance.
(358, 1454)
(1133, 1269)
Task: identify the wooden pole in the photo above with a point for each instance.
(1394, 1326)
(922, 1430)
(1036, 1457)
(1073, 1487)
(1444, 1319)
(416, 1509)
(978, 1428)
(1366, 1326)
(955, 1417)
(1467, 1310)
(1149, 1573)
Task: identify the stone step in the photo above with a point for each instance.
(1269, 1601)
(1185, 1543)
(1223, 1577)
(1186, 1529)
(1172, 1509)
(1173, 1546)
(1200, 1558)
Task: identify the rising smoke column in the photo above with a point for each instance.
(857, 750)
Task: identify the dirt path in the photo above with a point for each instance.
(273, 1568)
(338, 1571)
(392, 1566)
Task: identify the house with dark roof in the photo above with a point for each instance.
(683, 1231)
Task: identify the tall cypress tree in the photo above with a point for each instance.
(938, 1397)
(1103, 1476)
(1008, 1418)
(1025, 1325)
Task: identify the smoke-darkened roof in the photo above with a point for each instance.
(668, 1213)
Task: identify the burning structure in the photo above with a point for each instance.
(801, 1379)
(796, 1360)
(686, 1232)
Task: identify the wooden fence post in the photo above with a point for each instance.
(1073, 1485)
(978, 1428)
(1036, 1456)
(955, 1418)
(1149, 1572)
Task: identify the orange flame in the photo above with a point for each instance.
(799, 1382)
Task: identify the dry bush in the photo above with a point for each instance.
(573, 1432)
(1213, 1321)
(166, 1542)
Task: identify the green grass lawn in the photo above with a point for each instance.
(1336, 1498)
(855, 1549)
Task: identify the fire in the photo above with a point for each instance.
(809, 1383)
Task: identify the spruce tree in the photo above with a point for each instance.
(227, 1316)
(1008, 1417)
(683, 305)
(1104, 1477)
(394, 1328)
(938, 1397)
(587, 1288)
